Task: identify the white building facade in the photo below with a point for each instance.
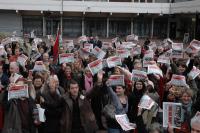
(104, 18)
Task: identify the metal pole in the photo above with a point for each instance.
(152, 27)
(83, 26)
(131, 25)
(107, 34)
(61, 19)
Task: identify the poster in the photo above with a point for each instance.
(177, 50)
(124, 122)
(115, 80)
(88, 46)
(39, 66)
(95, 66)
(114, 61)
(146, 102)
(18, 91)
(66, 58)
(194, 47)
(136, 51)
(22, 59)
(148, 58)
(154, 69)
(138, 75)
(172, 114)
(99, 53)
(123, 53)
(178, 80)
(194, 72)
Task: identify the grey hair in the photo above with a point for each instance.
(155, 127)
(195, 119)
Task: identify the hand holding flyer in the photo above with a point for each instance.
(18, 91)
(124, 122)
(146, 102)
(114, 61)
(39, 66)
(66, 58)
(95, 66)
(139, 75)
(172, 114)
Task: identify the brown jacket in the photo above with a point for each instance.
(86, 115)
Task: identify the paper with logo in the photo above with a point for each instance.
(178, 80)
(18, 91)
(115, 80)
(99, 53)
(194, 47)
(146, 102)
(114, 61)
(177, 50)
(88, 46)
(136, 51)
(42, 117)
(66, 58)
(172, 114)
(123, 53)
(35, 55)
(82, 39)
(95, 66)
(154, 69)
(131, 37)
(22, 59)
(124, 122)
(128, 45)
(148, 58)
(39, 66)
(138, 75)
(194, 72)
(163, 59)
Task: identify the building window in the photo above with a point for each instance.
(31, 23)
(72, 27)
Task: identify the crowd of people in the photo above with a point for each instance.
(75, 99)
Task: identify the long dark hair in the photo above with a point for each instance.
(143, 90)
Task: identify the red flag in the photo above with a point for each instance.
(55, 47)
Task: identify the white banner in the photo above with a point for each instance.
(172, 114)
(194, 47)
(177, 50)
(22, 59)
(148, 58)
(107, 45)
(178, 80)
(95, 66)
(146, 102)
(124, 122)
(39, 66)
(138, 75)
(194, 72)
(99, 53)
(114, 61)
(66, 58)
(18, 91)
(154, 69)
(115, 80)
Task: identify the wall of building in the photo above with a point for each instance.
(10, 22)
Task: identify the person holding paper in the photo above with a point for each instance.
(120, 102)
(52, 104)
(19, 114)
(186, 100)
